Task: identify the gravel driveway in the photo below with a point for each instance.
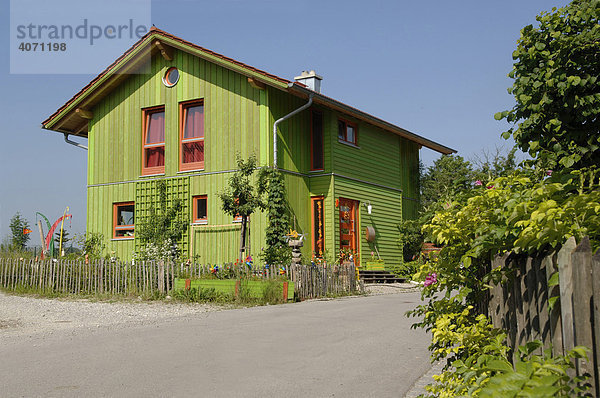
(27, 316)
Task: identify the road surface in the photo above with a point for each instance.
(349, 347)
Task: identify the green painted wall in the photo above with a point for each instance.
(235, 122)
(239, 119)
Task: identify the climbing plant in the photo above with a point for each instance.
(276, 250)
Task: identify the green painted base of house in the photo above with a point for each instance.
(232, 286)
(376, 265)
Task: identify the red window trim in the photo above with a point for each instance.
(345, 139)
(312, 144)
(146, 112)
(117, 227)
(313, 199)
(182, 115)
(195, 218)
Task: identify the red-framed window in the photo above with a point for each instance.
(123, 220)
(347, 132)
(153, 151)
(316, 141)
(200, 212)
(318, 225)
(191, 135)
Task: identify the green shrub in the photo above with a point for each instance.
(272, 292)
(200, 295)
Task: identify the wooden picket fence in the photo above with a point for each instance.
(521, 304)
(103, 277)
(315, 281)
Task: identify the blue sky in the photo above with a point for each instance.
(436, 68)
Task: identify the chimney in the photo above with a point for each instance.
(311, 79)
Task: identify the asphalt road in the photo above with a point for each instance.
(351, 347)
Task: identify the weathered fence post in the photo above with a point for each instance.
(555, 326)
(565, 276)
(596, 293)
(161, 277)
(582, 301)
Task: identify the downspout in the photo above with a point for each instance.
(77, 144)
(289, 115)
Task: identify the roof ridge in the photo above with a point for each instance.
(156, 31)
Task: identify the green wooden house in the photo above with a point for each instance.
(170, 110)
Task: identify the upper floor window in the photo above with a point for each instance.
(123, 220)
(153, 156)
(316, 141)
(346, 132)
(192, 135)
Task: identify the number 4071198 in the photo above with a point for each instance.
(24, 46)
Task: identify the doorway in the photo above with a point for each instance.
(349, 227)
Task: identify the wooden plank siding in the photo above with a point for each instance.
(385, 216)
(409, 178)
(100, 201)
(239, 118)
(234, 113)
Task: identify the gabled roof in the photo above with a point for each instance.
(72, 117)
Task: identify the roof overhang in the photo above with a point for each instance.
(73, 116)
(365, 117)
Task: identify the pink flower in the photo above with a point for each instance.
(431, 279)
(478, 183)
(548, 172)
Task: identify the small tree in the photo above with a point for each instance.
(19, 238)
(277, 250)
(65, 239)
(92, 244)
(557, 87)
(241, 198)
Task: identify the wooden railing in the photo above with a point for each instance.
(521, 304)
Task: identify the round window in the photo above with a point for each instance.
(171, 77)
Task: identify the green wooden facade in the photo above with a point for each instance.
(380, 170)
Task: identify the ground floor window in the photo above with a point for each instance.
(318, 230)
(200, 215)
(123, 220)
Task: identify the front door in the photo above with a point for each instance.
(349, 227)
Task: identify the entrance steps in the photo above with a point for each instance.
(370, 276)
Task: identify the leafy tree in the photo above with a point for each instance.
(451, 179)
(488, 166)
(277, 251)
(241, 198)
(163, 227)
(557, 87)
(449, 176)
(17, 226)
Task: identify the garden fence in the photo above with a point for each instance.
(103, 277)
(521, 304)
